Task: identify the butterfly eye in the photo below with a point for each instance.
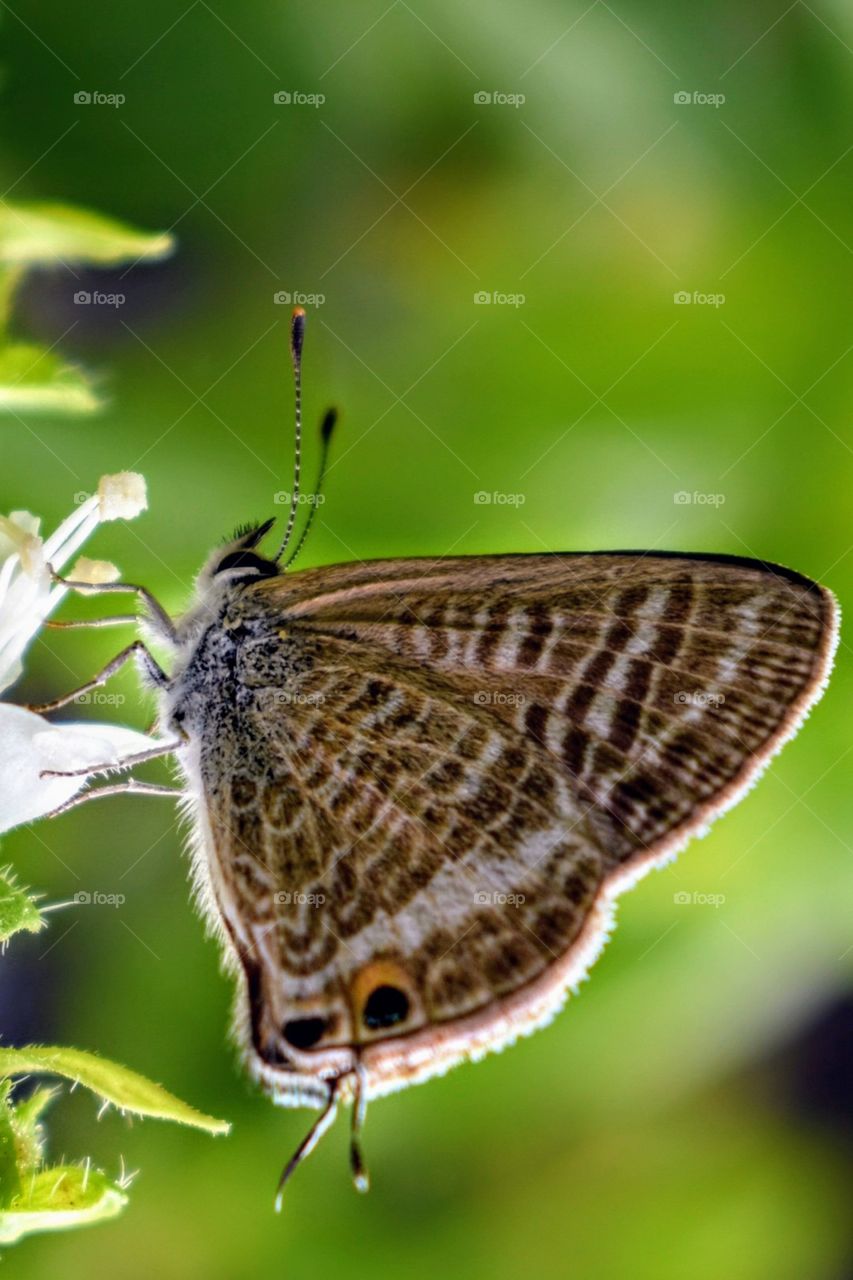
(304, 1033)
(247, 560)
(385, 1007)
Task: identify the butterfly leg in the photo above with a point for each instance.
(77, 624)
(129, 786)
(116, 620)
(151, 668)
(157, 614)
(139, 757)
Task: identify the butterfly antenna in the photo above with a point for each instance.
(297, 337)
(309, 1142)
(326, 429)
(360, 1176)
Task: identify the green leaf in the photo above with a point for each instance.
(119, 1085)
(10, 1181)
(33, 379)
(17, 909)
(10, 278)
(61, 1197)
(28, 1129)
(28, 1112)
(46, 234)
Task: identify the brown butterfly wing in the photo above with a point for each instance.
(464, 760)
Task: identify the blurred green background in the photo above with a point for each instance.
(689, 1112)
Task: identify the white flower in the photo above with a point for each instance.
(28, 742)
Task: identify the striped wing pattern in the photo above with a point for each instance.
(455, 762)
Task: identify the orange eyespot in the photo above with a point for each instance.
(380, 996)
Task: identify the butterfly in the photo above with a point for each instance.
(417, 785)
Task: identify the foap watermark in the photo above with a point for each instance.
(291, 698)
(684, 499)
(495, 298)
(94, 298)
(489, 898)
(283, 498)
(287, 899)
(696, 899)
(686, 298)
(96, 898)
(498, 98)
(288, 298)
(100, 698)
(298, 98)
(699, 698)
(482, 498)
(697, 98)
(95, 98)
(498, 698)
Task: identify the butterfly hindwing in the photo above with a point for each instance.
(455, 763)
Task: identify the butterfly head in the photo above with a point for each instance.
(237, 562)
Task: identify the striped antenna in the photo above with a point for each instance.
(297, 337)
(326, 429)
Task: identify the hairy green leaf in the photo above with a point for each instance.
(61, 1197)
(46, 234)
(118, 1085)
(10, 1180)
(17, 909)
(28, 1130)
(33, 379)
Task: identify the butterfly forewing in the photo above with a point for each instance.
(455, 763)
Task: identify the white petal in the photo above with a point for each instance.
(27, 594)
(29, 744)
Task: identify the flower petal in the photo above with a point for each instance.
(29, 744)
